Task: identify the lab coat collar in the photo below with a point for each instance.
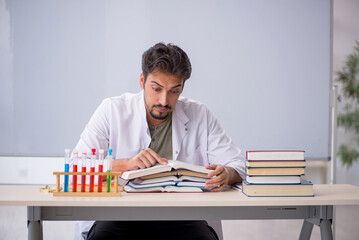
(179, 128)
(142, 109)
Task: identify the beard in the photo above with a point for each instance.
(160, 116)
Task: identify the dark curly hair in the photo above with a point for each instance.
(166, 58)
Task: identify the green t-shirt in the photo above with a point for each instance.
(161, 139)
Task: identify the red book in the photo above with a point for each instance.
(275, 155)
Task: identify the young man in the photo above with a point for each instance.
(155, 125)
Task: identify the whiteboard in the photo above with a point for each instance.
(262, 67)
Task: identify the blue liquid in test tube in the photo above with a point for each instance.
(67, 168)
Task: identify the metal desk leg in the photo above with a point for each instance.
(306, 231)
(326, 229)
(34, 223)
(321, 216)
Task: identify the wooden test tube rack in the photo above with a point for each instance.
(114, 193)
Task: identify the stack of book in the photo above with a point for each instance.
(176, 176)
(276, 173)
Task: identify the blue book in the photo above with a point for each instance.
(302, 189)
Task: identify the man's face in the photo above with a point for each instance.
(161, 92)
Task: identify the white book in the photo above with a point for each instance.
(168, 178)
(191, 184)
(263, 155)
(168, 183)
(185, 178)
(155, 180)
(273, 179)
(129, 189)
(150, 185)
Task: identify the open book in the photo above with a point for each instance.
(171, 166)
(130, 189)
(182, 181)
(172, 178)
(176, 172)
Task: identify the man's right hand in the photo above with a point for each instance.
(145, 159)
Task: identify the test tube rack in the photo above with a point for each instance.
(114, 193)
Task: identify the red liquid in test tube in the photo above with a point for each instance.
(74, 169)
(100, 169)
(92, 169)
(83, 177)
(74, 180)
(92, 179)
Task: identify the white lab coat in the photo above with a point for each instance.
(120, 123)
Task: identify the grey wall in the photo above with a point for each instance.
(263, 67)
(346, 31)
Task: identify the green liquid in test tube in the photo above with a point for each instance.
(109, 170)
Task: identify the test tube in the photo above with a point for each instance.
(83, 177)
(109, 170)
(75, 155)
(100, 169)
(92, 169)
(67, 168)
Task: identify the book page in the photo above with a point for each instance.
(191, 178)
(155, 180)
(182, 189)
(183, 165)
(128, 188)
(191, 184)
(146, 171)
(151, 185)
(237, 186)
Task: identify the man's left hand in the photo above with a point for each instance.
(220, 181)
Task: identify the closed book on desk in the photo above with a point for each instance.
(304, 189)
(170, 189)
(294, 163)
(270, 155)
(274, 171)
(165, 170)
(273, 179)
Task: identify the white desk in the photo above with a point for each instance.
(227, 205)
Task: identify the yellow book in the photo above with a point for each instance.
(274, 171)
(275, 163)
(303, 189)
